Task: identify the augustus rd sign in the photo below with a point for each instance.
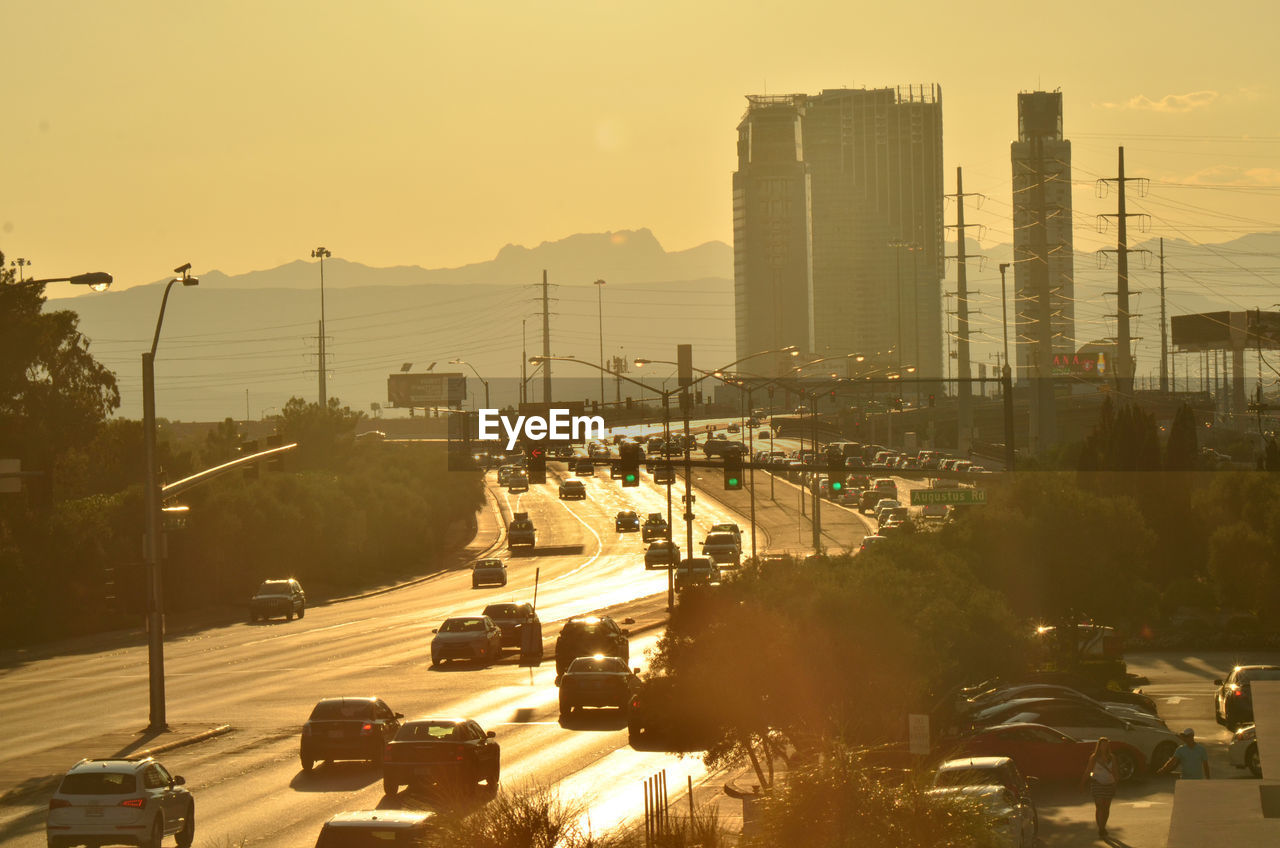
(950, 497)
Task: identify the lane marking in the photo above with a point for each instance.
(304, 632)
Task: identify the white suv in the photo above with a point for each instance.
(114, 802)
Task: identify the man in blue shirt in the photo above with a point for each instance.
(1191, 755)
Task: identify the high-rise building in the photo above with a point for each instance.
(867, 165)
(1041, 194)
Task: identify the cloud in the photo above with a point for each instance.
(1234, 175)
(1169, 103)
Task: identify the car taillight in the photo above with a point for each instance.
(138, 803)
(389, 753)
(57, 803)
(1238, 692)
(366, 729)
(460, 751)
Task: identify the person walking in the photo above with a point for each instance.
(1193, 757)
(1101, 776)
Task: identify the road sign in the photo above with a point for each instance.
(422, 390)
(918, 733)
(950, 497)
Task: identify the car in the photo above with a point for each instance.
(734, 427)
(596, 681)
(457, 751)
(1084, 684)
(587, 636)
(655, 527)
(661, 553)
(511, 620)
(897, 526)
(886, 486)
(278, 598)
(488, 572)
(1044, 752)
(868, 500)
(376, 829)
(1004, 773)
(696, 571)
(1233, 703)
(521, 532)
(1243, 750)
(471, 637)
(868, 541)
(728, 527)
(1084, 721)
(115, 800)
(654, 445)
(883, 505)
(573, 490)
(1013, 821)
(505, 473)
(626, 521)
(519, 482)
(584, 468)
(1004, 694)
(719, 446)
(664, 473)
(722, 547)
(893, 513)
(933, 512)
(347, 729)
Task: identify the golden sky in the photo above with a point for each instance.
(141, 134)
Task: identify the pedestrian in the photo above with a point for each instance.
(1101, 776)
(1191, 755)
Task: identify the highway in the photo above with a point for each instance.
(263, 679)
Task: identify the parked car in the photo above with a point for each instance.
(655, 527)
(1243, 750)
(1045, 753)
(722, 547)
(473, 637)
(1084, 721)
(456, 751)
(587, 636)
(1233, 703)
(1012, 820)
(626, 521)
(115, 800)
(596, 682)
(376, 829)
(347, 729)
(1004, 694)
(488, 572)
(573, 490)
(696, 571)
(278, 598)
(1013, 813)
(661, 553)
(511, 620)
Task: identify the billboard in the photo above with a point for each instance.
(1080, 366)
(1202, 331)
(423, 390)
(1263, 329)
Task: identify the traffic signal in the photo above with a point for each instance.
(536, 464)
(835, 470)
(897, 404)
(629, 463)
(931, 399)
(732, 470)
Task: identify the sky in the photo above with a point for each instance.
(237, 136)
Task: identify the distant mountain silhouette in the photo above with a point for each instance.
(626, 256)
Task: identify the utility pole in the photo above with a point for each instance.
(546, 340)
(964, 371)
(599, 284)
(1164, 330)
(524, 360)
(322, 253)
(1124, 340)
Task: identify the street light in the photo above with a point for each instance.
(322, 253)
(155, 593)
(482, 380)
(600, 284)
(96, 280)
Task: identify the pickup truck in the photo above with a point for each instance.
(520, 532)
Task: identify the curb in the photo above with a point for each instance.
(194, 739)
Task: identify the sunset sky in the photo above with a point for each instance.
(238, 135)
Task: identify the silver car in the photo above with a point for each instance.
(1243, 750)
(473, 637)
(114, 801)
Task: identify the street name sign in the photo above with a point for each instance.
(949, 497)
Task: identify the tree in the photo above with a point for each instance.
(1181, 451)
(319, 431)
(221, 443)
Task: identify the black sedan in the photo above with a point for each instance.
(1233, 703)
(511, 618)
(626, 521)
(348, 729)
(439, 750)
(596, 681)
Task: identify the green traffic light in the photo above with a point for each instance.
(631, 478)
(837, 486)
(733, 481)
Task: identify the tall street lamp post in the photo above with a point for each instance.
(155, 591)
(482, 380)
(599, 284)
(322, 253)
(96, 280)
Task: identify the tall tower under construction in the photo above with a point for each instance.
(867, 166)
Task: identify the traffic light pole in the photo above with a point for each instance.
(688, 474)
(817, 508)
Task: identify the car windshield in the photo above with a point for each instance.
(722, 539)
(463, 625)
(970, 776)
(274, 587)
(489, 563)
(598, 664)
(1258, 674)
(342, 709)
(425, 731)
(98, 783)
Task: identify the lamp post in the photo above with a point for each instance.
(599, 284)
(155, 590)
(96, 280)
(1006, 377)
(482, 380)
(322, 253)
